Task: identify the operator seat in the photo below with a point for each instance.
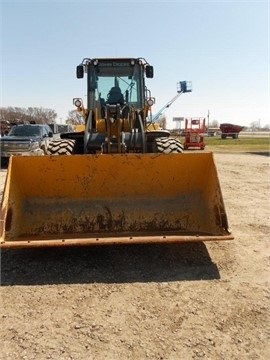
(115, 96)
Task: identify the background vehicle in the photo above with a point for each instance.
(230, 130)
(5, 127)
(194, 133)
(26, 139)
(213, 131)
(128, 181)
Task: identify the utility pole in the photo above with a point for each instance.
(208, 115)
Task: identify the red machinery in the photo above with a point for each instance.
(194, 133)
(230, 130)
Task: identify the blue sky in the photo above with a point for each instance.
(221, 46)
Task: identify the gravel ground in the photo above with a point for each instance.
(177, 301)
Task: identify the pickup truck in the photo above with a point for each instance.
(25, 139)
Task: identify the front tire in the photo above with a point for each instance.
(167, 145)
(62, 147)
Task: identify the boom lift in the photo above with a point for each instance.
(182, 87)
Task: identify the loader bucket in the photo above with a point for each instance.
(111, 199)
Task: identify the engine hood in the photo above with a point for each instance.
(20, 138)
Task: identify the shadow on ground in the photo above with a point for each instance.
(262, 153)
(107, 264)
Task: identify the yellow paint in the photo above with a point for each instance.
(117, 196)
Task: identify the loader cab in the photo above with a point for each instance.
(104, 76)
(117, 104)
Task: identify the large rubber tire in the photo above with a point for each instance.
(62, 147)
(167, 145)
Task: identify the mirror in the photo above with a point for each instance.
(149, 71)
(80, 71)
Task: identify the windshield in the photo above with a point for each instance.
(24, 131)
(116, 84)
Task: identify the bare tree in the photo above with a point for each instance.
(214, 123)
(162, 122)
(74, 118)
(31, 114)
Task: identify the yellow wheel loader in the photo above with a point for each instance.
(122, 179)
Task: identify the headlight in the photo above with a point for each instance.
(150, 101)
(77, 102)
(34, 145)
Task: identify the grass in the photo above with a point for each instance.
(240, 144)
(258, 144)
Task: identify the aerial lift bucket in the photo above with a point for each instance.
(112, 199)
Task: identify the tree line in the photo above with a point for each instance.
(39, 115)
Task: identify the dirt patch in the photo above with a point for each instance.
(178, 301)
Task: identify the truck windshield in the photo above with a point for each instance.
(24, 131)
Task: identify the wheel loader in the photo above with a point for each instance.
(120, 180)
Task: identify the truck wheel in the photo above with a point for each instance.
(167, 145)
(4, 162)
(62, 147)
